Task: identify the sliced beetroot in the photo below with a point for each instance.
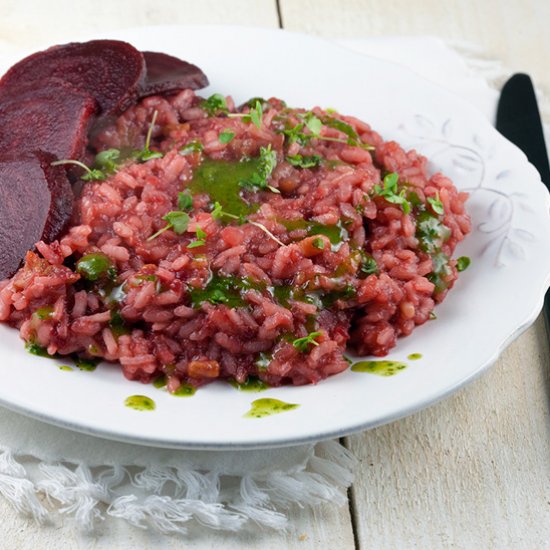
(61, 206)
(111, 71)
(54, 117)
(35, 204)
(167, 74)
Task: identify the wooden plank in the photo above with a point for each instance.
(470, 472)
(26, 24)
(515, 32)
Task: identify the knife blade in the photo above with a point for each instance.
(518, 119)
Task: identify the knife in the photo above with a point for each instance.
(518, 119)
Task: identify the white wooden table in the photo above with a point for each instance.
(470, 472)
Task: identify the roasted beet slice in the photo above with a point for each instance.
(166, 74)
(54, 117)
(35, 204)
(111, 71)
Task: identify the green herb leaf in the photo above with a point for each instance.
(266, 165)
(313, 123)
(304, 161)
(90, 175)
(107, 160)
(345, 128)
(463, 263)
(146, 154)
(256, 114)
(226, 136)
(185, 201)
(215, 105)
(217, 296)
(200, 233)
(95, 266)
(368, 264)
(436, 204)
(295, 134)
(94, 175)
(178, 221)
(218, 213)
(302, 344)
(196, 244)
(192, 147)
(318, 243)
(389, 192)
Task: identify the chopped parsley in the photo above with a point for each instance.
(226, 136)
(430, 232)
(304, 161)
(256, 114)
(390, 192)
(194, 146)
(436, 204)
(94, 266)
(185, 201)
(214, 105)
(368, 264)
(463, 263)
(201, 239)
(314, 124)
(266, 165)
(318, 243)
(302, 344)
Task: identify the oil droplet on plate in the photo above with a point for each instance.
(140, 403)
(268, 406)
(381, 368)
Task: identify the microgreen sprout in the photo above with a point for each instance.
(254, 115)
(390, 192)
(146, 154)
(185, 201)
(436, 204)
(176, 220)
(226, 136)
(92, 174)
(201, 238)
(302, 344)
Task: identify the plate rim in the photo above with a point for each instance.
(164, 442)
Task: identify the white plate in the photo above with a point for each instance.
(493, 302)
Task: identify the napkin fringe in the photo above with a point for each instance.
(166, 499)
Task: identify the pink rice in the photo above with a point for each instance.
(165, 334)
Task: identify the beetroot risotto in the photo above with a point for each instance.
(214, 242)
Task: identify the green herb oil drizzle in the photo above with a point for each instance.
(267, 407)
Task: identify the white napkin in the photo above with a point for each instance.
(94, 480)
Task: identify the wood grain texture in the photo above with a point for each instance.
(29, 23)
(514, 32)
(474, 470)
(470, 472)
